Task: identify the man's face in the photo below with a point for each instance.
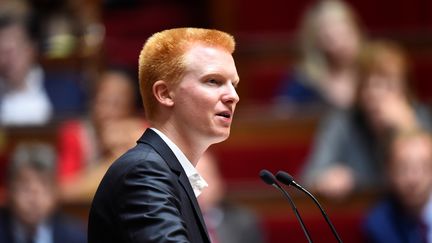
(17, 55)
(379, 87)
(411, 171)
(113, 98)
(205, 98)
(32, 197)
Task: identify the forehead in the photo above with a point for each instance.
(14, 31)
(407, 150)
(203, 60)
(116, 82)
(29, 175)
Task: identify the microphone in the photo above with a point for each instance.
(288, 180)
(269, 178)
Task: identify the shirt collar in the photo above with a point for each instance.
(44, 233)
(33, 81)
(195, 179)
(427, 218)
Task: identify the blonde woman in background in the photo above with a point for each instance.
(330, 40)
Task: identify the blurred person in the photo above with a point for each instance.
(348, 147)
(28, 94)
(88, 146)
(31, 213)
(187, 82)
(405, 215)
(330, 42)
(226, 222)
(23, 97)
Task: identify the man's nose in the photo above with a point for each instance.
(231, 95)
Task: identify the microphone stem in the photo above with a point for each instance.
(297, 214)
(322, 211)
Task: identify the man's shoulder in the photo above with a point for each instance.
(151, 152)
(381, 214)
(4, 216)
(5, 226)
(139, 163)
(141, 156)
(68, 229)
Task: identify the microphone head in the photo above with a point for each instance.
(284, 177)
(267, 177)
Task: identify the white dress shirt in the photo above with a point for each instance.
(195, 179)
(43, 234)
(427, 218)
(30, 106)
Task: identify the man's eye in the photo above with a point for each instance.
(213, 81)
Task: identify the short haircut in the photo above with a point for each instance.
(377, 55)
(39, 157)
(162, 58)
(17, 13)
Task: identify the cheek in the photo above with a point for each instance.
(399, 182)
(368, 101)
(21, 203)
(425, 181)
(197, 99)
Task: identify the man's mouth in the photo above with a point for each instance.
(224, 114)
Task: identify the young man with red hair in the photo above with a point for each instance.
(187, 81)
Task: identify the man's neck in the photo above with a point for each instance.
(21, 82)
(192, 148)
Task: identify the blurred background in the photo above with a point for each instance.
(336, 93)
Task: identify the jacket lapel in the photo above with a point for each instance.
(184, 181)
(153, 139)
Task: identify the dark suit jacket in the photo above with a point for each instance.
(145, 196)
(65, 229)
(388, 222)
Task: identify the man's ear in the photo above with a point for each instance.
(162, 93)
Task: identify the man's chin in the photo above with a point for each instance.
(221, 136)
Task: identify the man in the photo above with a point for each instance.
(406, 215)
(28, 94)
(23, 99)
(187, 82)
(30, 215)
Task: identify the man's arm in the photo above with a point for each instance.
(149, 205)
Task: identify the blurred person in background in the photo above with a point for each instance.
(226, 222)
(88, 146)
(23, 99)
(31, 202)
(405, 215)
(28, 94)
(347, 153)
(330, 41)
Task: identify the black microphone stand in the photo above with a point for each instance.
(269, 178)
(287, 179)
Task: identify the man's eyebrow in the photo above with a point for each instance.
(235, 80)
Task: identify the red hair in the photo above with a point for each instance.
(162, 57)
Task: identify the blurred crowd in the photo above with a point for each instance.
(373, 133)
